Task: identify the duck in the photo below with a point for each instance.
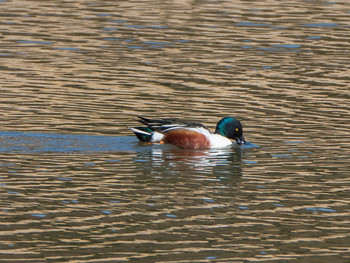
(190, 135)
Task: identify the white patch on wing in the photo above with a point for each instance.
(169, 127)
(202, 130)
(139, 131)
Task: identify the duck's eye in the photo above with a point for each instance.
(237, 129)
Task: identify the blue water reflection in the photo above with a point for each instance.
(41, 142)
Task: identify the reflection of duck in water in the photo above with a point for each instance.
(190, 135)
(210, 164)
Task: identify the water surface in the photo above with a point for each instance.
(76, 185)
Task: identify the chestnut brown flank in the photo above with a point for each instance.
(187, 139)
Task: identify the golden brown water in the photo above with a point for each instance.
(76, 185)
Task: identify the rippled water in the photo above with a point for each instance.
(76, 185)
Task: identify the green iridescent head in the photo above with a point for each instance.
(230, 128)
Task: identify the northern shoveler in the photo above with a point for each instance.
(190, 135)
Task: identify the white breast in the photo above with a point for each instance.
(218, 141)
